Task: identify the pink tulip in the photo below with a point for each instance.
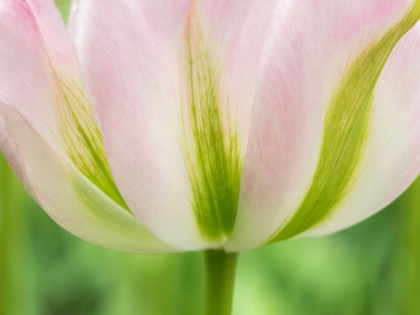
(175, 125)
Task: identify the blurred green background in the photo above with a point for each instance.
(372, 268)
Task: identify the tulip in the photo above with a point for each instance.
(160, 126)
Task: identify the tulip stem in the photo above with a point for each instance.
(220, 267)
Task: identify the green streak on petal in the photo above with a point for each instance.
(213, 158)
(346, 130)
(81, 137)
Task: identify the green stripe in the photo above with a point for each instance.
(346, 130)
(81, 137)
(212, 151)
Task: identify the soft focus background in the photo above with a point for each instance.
(372, 268)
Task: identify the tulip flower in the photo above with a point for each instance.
(159, 126)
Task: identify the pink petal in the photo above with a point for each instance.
(311, 44)
(55, 37)
(65, 194)
(24, 79)
(131, 73)
(392, 159)
(131, 54)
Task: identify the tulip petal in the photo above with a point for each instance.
(392, 160)
(132, 77)
(298, 168)
(66, 194)
(224, 58)
(129, 51)
(24, 80)
(234, 32)
(40, 69)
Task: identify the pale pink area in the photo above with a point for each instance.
(30, 139)
(65, 194)
(55, 37)
(133, 78)
(241, 49)
(222, 21)
(24, 79)
(374, 13)
(236, 31)
(392, 159)
(310, 45)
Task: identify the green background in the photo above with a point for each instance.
(371, 268)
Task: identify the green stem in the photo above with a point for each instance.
(11, 249)
(220, 267)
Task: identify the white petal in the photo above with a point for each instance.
(310, 47)
(132, 56)
(66, 195)
(130, 66)
(392, 160)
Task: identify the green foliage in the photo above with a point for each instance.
(410, 250)
(356, 272)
